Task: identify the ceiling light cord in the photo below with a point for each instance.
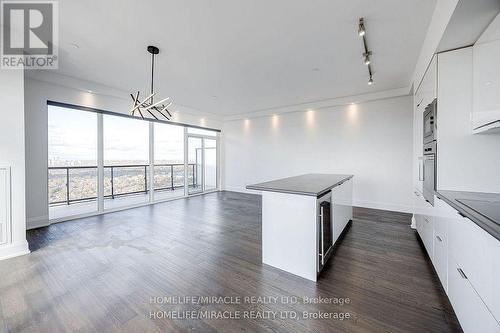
(367, 53)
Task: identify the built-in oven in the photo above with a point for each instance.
(430, 122)
(325, 228)
(429, 171)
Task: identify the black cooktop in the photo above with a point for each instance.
(488, 209)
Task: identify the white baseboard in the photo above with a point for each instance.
(384, 206)
(14, 250)
(37, 222)
(357, 203)
(240, 190)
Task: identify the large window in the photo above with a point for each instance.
(80, 182)
(72, 162)
(169, 161)
(126, 161)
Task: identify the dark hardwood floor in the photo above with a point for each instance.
(100, 274)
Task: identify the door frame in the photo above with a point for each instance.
(203, 167)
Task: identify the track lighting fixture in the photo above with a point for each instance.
(361, 28)
(367, 58)
(367, 54)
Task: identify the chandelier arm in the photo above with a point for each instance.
(151, 113)
(157, 103)
(163, 114)
(140, 113)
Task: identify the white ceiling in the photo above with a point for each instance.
(251, 55)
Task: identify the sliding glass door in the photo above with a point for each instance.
(210, 161)
(195, 165)
(202, 164)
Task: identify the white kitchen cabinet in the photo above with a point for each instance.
(440, 258)
(424, 224)
(342, 207)
(486, 81)
(469, 247)
(486, 85)
(471, 311)
(494, 300)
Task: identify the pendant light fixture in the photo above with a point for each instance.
(149, 106)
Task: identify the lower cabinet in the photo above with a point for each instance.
(426, 231)
(471, 311)
(467, 261)
(342, 207)
(440, 259)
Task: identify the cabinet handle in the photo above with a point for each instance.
(322, 237)
(439, 238)
(462, 274)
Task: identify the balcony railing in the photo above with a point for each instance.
(112, 173)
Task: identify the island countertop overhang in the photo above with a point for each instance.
(312, 184)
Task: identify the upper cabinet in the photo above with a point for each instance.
(486, 81)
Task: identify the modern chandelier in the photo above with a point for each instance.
(148, 105)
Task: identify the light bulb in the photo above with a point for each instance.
(370, 81)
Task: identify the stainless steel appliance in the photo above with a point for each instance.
(430, 152)
(430, 122)
(325, 229)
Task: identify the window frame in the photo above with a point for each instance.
(100, 159)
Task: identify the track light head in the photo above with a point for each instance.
(361, 28)
(370, 81)
(367, 60)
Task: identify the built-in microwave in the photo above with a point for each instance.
(430, 122)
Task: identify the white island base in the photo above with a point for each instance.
(291, 228)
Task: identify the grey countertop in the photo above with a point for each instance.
(313, 184)
(477, 216)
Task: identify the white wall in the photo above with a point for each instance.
(12, 155)
(41, 87)
(466, 162)
(372, 140)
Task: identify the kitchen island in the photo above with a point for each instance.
(302, 218)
